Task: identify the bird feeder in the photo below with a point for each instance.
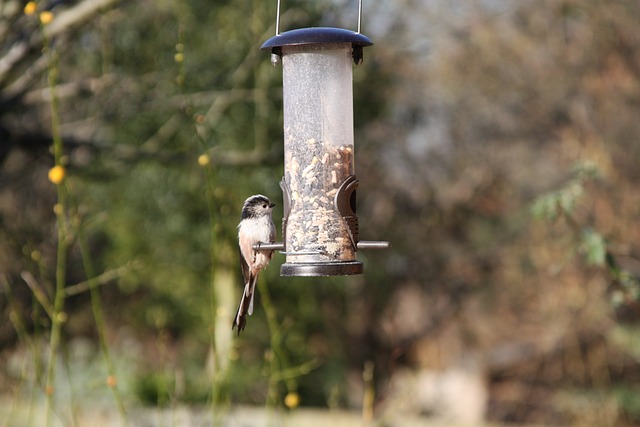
(320, 226)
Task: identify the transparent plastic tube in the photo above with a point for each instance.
(318, 142)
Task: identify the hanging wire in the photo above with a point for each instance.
(278, 17)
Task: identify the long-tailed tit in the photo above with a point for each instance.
(256, 225)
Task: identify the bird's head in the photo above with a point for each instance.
(256, 206)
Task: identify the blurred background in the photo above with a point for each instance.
(497, 148)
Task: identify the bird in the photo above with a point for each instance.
(256, 225)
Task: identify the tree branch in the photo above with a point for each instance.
(75, 16)
(63, 22)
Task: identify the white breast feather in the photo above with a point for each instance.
(259, 230)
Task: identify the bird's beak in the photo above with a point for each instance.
(272, 205)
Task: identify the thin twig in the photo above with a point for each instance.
(295, 371)
(102, 279)
(40, 295)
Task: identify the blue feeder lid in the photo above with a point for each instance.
(316, 35)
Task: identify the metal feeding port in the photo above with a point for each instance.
(320, 226)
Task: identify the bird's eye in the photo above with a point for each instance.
(264, 206)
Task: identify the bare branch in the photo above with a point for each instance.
(76, 16)
(64, 21)
(15, 54)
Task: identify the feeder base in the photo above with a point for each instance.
(344, 268)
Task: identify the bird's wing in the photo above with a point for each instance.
(246, 270)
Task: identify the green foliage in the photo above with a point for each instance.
(629, 400)
(561, 202)
(155, 389)
(594, 248)
(164, 388)
(591, 244)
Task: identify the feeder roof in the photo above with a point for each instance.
(316, 35)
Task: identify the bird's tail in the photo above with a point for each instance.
(246, 304)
